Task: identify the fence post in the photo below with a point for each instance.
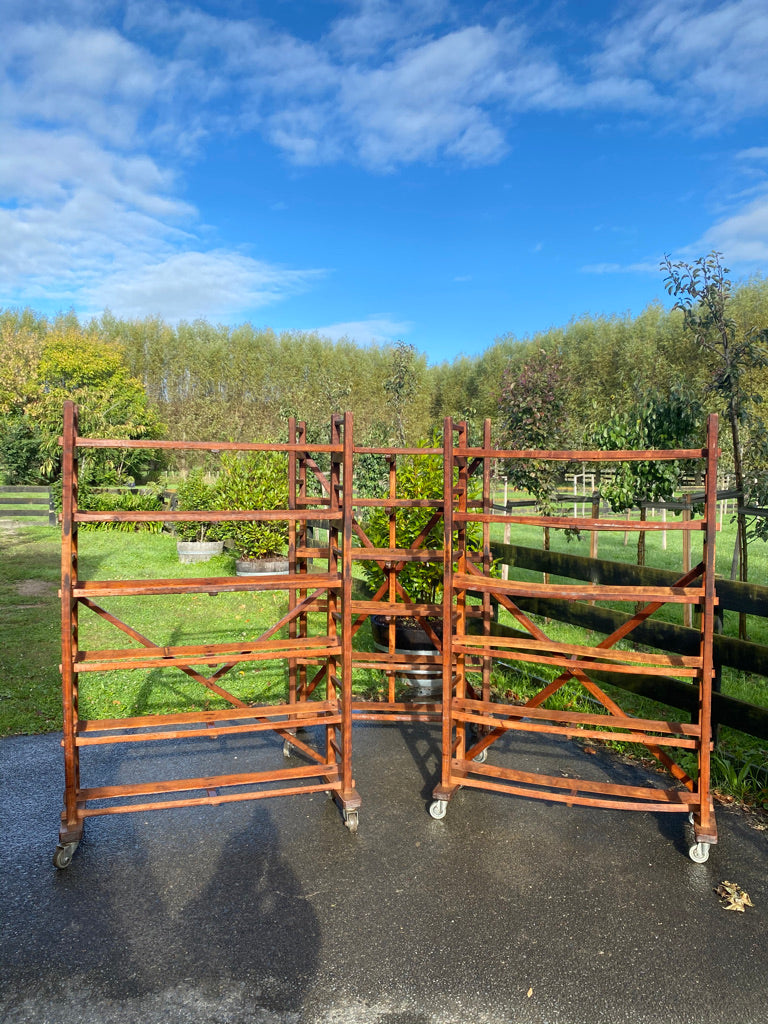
(595, 515)
(507, 534)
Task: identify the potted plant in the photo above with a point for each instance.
(250, 481)
(197, 542)
(418, 477)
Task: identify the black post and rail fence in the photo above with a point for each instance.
(728, 651)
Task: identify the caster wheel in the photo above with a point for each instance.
(699, 853)
(63, 855)
(351, 820)
(287, 749)
(438, 809)
(482, 757)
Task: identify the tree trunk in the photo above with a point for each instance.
(641, 538)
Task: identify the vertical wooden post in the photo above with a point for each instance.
(704, 824)
(303, 538)
(332, 620)
(292, 545)
(487, 559)
(507, 529)
(392, 574)
(687, 610)
(347, 782)
(459, 555)
(71, 823)
(443, 792)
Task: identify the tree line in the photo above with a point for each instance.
(200, 381)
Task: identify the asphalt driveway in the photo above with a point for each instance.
(508, 910)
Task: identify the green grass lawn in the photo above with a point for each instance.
(30, 692)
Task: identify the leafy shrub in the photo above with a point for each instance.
(19, 451)
(254, 480)
(195, 495)
(120, 501)
(418, 477)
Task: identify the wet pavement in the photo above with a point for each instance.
(509, 910)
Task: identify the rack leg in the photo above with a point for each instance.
(69, 840)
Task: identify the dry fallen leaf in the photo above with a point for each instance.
(530, 993)
(734, 896)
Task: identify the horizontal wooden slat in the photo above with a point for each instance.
(577, 523)
(601, 653)
(396, 555)
(657, 802)
(396, 608)
(493, 713)
(574, 591)
(18, 513)
(233, 515)
(397, 503)
(205, 446)
(24, 489)
(205, 717)
(396, 452)
(205, 585)
(577, 664)
(585, 455)
(205, 782)
(41, 502)
(215, 651)
(399, 662)
(278, 649)
(280, 725)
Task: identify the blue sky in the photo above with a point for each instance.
(435, 171)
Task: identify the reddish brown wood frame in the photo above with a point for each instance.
(324, 663)
(312, 659)
(464, 764)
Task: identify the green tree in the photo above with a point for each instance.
(401, 384)
(653, 422)
(533, 415)
(112, 404)
(704, 295)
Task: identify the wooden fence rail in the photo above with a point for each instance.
(30, 503)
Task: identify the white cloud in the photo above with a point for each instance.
(97, 120)
(89, 217)
(620, 268)
(742, 237)
(216, 284)
(756, 153)
(382, 23)
(377, 328)
(708, 62)
(89, 77)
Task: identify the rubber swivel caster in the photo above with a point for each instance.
(63, 855)
(438, 809)
(699, 853)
